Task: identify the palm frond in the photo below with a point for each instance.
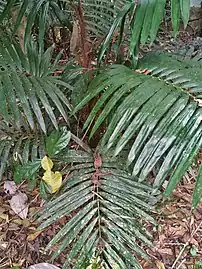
(37, 13)
(197, 195)
(2, 5)
(180, 70)
(109, 212)
(28, 88)
(99, 16)
(18, 146)
(159, 116)
(143, 18)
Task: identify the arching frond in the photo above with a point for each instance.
(155, 115)
(143, 19)
(28, 88)
(2, 5)
(38, 12)
(177, 69)
(18, 146)
(110, 208)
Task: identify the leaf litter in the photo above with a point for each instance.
(176, 223)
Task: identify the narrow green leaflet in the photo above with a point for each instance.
(4, 158)
(197, 195)
(147, 22)
(175, 15)
(157, 18)
(21, 13)
(137, 24)
(112, 30)
(185, 9)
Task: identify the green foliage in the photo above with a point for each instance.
(18, 146)
(37, 13)
(144, 18)
(27, 171)
(101, 17)
(198, 264)
(177, 69)
(30, 101)
(152, 117)
(159, 121)
(57, 141)
(197, 195)
(26, 83)
(108, 209)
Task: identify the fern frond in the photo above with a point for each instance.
(109, 209)
(159, 120)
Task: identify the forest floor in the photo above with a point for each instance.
(177, 237)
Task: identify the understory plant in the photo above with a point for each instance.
(96, 127)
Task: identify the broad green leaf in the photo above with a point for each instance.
(44, 190)
(57, 141)
(26, 171)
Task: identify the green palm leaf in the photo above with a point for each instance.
(158, 116)
(28, 88)
(108, 218)
(37, 13)
(197, 195)
(144, 18)
(18, 146)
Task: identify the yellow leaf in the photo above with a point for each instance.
(160, 265)
(54, 180)
(4, 217)
(47, 163)
(115, 266)
(33, 236)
